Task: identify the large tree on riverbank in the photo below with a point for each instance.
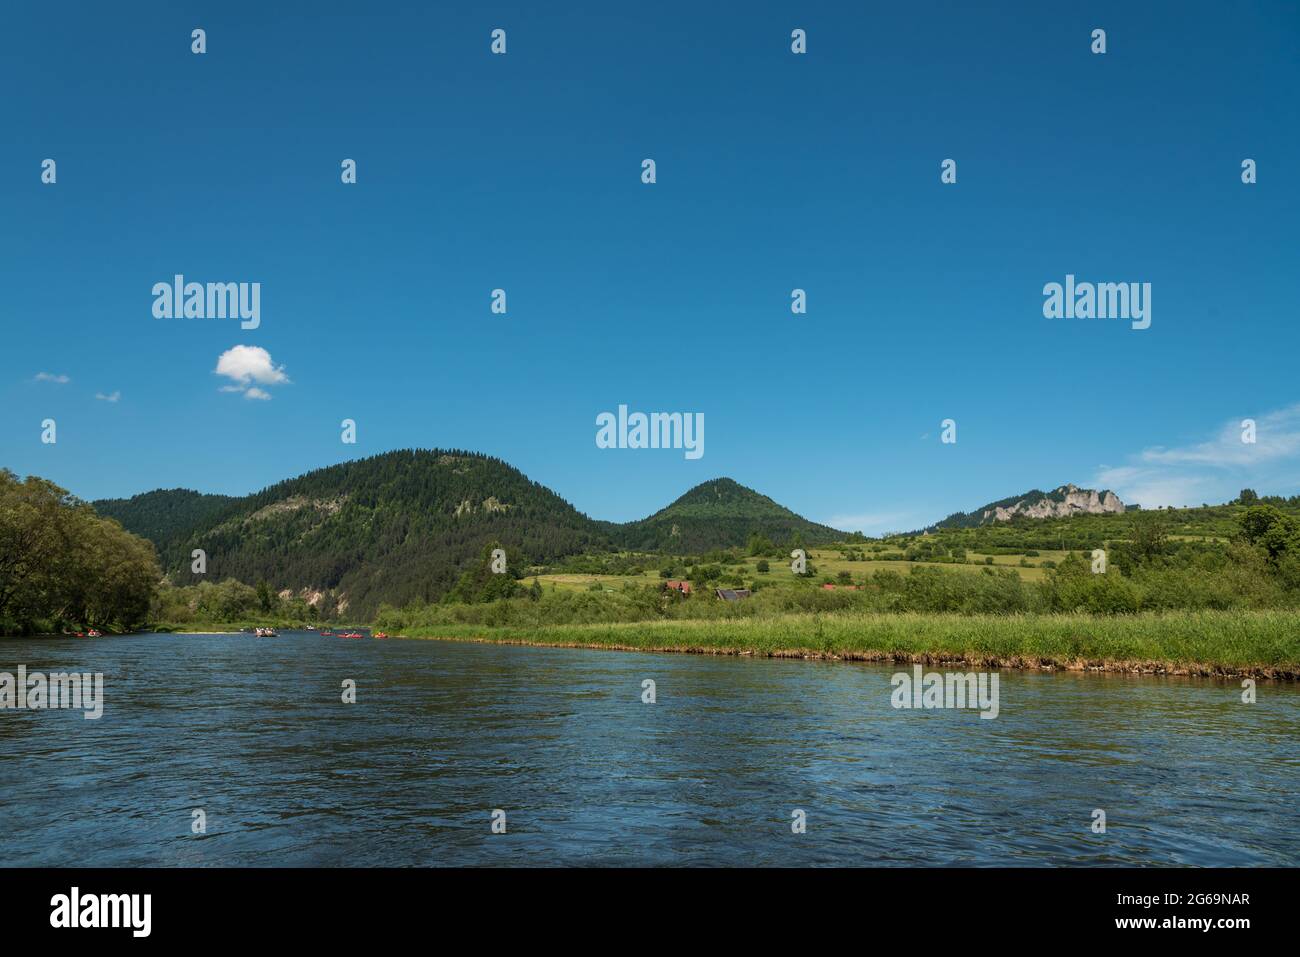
(61, 564)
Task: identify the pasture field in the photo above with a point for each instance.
(828, 562)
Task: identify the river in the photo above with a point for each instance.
(253, 733)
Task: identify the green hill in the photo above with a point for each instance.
(395, 528)
(720, 513)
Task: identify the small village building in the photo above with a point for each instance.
(733, 594)
(681, 586)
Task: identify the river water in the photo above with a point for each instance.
(253, 733)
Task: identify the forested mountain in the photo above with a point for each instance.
(403, 526)
(395, 528)
(719, 514)
(166, 516)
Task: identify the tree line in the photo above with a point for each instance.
(63, 567)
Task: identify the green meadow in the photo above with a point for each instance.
(829, 563)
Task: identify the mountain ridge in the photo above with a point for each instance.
(401, 526)
(1068, 499)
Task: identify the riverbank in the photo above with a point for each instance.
(1260, 644)
(235, 627)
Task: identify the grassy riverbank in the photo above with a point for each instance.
(1258, 643)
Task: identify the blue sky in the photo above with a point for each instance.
(775, 171)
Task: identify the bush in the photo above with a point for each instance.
(936, 590)
(1072, 587)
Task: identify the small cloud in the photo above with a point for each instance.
(51, 377)
(111, 397)
(246, 365)
(1156, 488)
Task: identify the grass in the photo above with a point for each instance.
(1230, 643)
(828, 562)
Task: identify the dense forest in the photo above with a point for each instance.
(166, 517)
(63, 567)
(397, 527)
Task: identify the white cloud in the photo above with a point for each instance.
(51, 377)
(1151, 488)
(246, 365)
(1277, 436)
(1215, 469)
(111, 397)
